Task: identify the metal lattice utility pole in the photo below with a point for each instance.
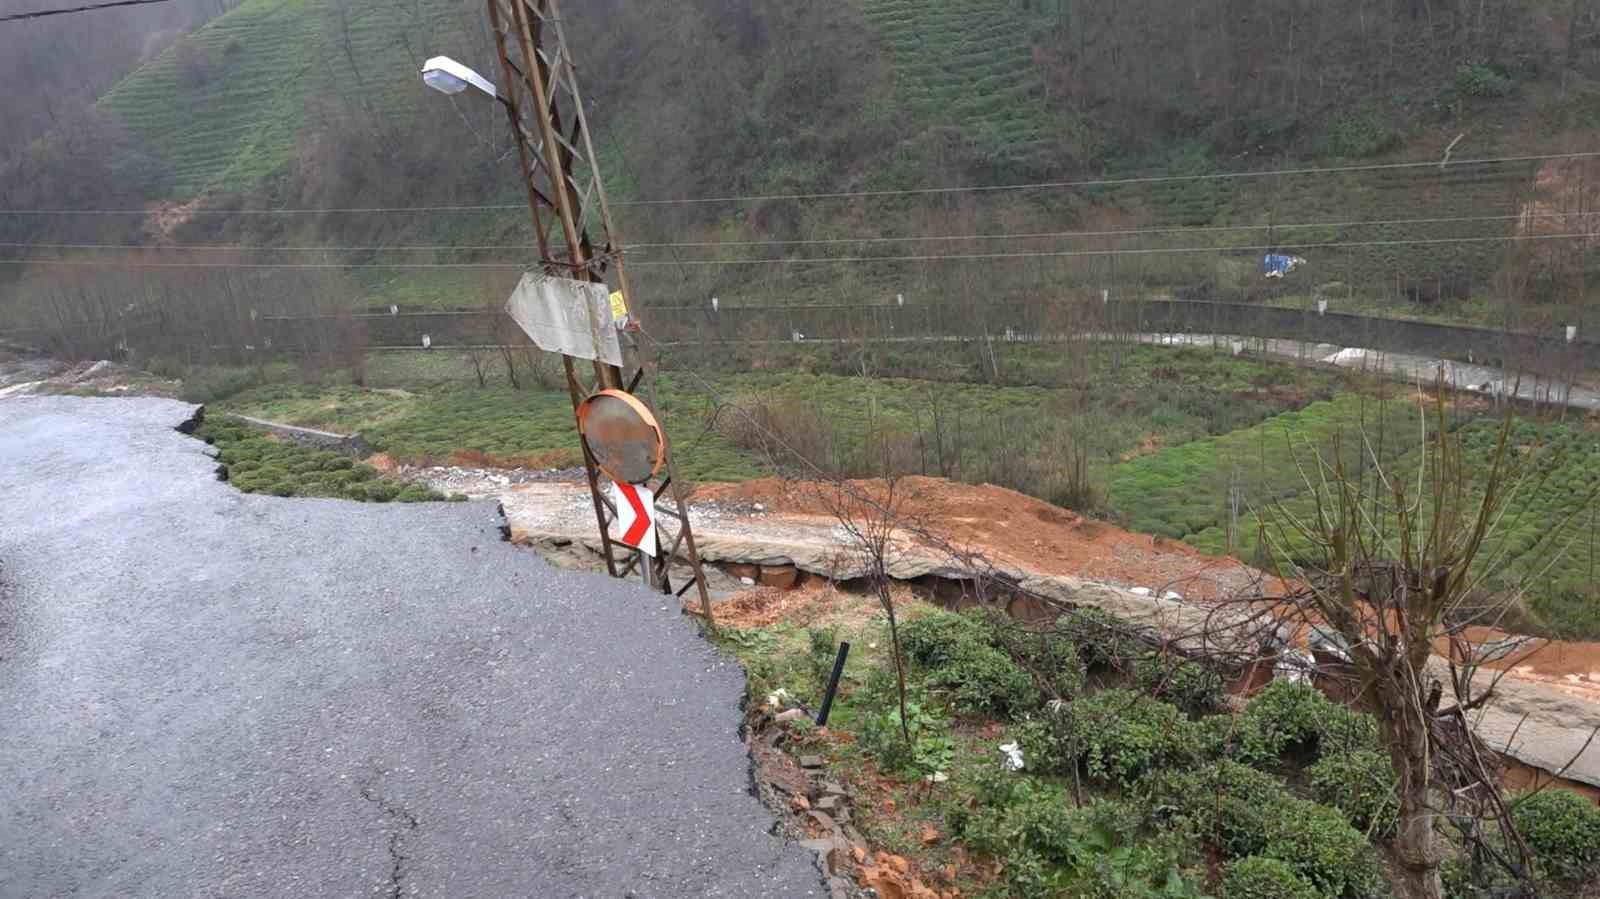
(559, 171)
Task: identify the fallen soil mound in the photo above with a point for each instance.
(1007, 528)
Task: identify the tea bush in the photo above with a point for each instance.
(1103, 643)
(1228, 804)
(1290, 719)
(1254, 877)
(1361, 784)
(1563, 830)
(1191, 686)
(1321, 846)
(255, 463)
(1116, 735)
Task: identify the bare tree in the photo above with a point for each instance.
(1395, 564)
(870, 528)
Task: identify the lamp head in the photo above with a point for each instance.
(447, 76)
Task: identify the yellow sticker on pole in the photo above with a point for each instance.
(619, 308)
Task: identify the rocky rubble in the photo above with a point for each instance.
(820, 818)
(483, 482)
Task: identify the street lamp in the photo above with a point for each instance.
(447, 76)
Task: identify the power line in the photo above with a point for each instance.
(918, 238)
(842, 195)
(40, 14)
(951, 257)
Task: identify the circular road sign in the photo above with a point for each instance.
(622, 435)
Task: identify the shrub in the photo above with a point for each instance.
(213, 385)
(1361, 131)
(1229, 804)
(1046, 844)
(1362, 784)
(272, 472)
(985, 681)
(1562, 829)
(1191, 686)
(1051, 656)
(1476, 80)
(1255, 877)
(416, 493)
(1321, 846)
(282, 488)
(962, 658)
(1345, 729)
(1119, 735)
(1102, 642)
(936, 639)
(931, 747)
(1285, 717)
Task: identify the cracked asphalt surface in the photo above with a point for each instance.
(204, 693)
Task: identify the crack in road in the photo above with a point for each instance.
(397, 854)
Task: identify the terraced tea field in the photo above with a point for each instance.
(965, 66)
(1214, 492)
(228, 106)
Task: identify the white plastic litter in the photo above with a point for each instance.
(937, 777)
(1174, 597)
(777, 698)
(1013, 754)
(1296, 666)
(1140, 591)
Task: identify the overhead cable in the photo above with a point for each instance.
(949, 257)
(856, 194)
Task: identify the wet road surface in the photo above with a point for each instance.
(204, 693)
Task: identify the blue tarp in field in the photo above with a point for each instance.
(1276, 265)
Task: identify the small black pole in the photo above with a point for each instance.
(833, 684)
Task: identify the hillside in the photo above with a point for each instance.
(315, 104)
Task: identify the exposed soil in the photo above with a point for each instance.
(1008, 528)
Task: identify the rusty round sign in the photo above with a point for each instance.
(623, 436)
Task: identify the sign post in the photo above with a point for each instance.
(635, 522)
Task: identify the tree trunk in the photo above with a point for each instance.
(882, 578)
(1416, 842)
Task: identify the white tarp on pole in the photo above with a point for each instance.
(566, 316)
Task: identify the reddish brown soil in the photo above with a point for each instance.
(1007, 527)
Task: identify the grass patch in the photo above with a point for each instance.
(427, 407)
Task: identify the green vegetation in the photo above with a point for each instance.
(254, 462)
(314, 103)
(1121, 794)
(960, 70)
(495, 425)
(227, 107)
(1257, 877)
(426, 408)
(1194, 688)
(1189, 491)
(1563, 830)
(1209, 492)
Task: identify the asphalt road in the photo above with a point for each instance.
(204, 693)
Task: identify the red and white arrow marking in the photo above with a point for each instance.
(635, 517)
